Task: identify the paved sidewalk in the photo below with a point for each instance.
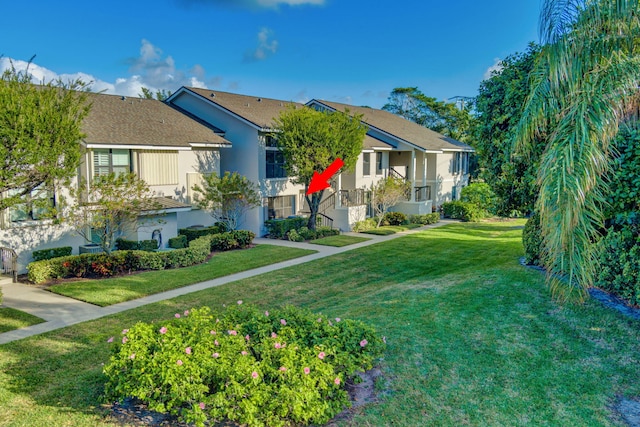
(59, 311)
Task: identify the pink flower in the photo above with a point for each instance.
(277, 345)
(254, 374)
(363, 343)
(306, 370)
(336, 381)
(266, 313)
(244, 353)
(215, 355)
(284, 322)
(217, 320)
(319, 319)
(124, 340)
(337, 319)
(186, 313)
(232, 332)
(283, 369)
(321, 355)
(246, 337)
(239, 302)
(187, 350)
(216, 342)
(124, 331)
(274, 335)
(110, 339)
(212, 332)
(177, 315)
(201, 405)
(179, 362)
(133, 356)
(163, 330)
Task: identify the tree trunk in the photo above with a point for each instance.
(314, 205)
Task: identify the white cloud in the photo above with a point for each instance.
(266, 46)
(495, 68)
(150, 69)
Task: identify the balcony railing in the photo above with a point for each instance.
(349, 198)
(423, 193)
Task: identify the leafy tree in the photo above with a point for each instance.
(387, 193)
(39, 134)
(442, 117)
(312, 140)
(584, 83)
(228, 197)
(160, 94)
(498, 109)
(111, 207)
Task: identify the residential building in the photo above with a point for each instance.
(166, 147)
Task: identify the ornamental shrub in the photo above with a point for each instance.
(178, 242)
(243, 237)
(425, 219)
(532, 240)
(224, 242)
(365, 225)
(293, 236)
(481, 195)
(325, 231)
(148, 245)
(464, 211)
(618, 268)
(394, 218)
(51, 253)
(280, 368)
(278, 228)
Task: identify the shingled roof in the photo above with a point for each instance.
(400, 128)
(261, 112)
(119, 120)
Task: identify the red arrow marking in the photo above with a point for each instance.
(319, 180)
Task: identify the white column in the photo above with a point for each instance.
(337, 196)
(413, 175)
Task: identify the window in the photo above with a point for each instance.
(460, 163)
(106, 161)
(37, 206)
(280, 207)
(366, 164)
(158, 167)
(275, 164)
(378, 163)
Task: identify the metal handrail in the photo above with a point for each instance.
(9, 259)
(355, 197)
(325, 221)
(327, 203)
(423, 193)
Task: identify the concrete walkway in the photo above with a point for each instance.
(59, 311)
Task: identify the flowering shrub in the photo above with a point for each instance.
(285, 367)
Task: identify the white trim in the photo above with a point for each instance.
(136, 147)
(209, 145)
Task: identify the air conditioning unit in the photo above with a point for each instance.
(90, 249)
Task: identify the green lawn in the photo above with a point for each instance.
(339, 240)
(386, 230)
(473, 338)
(105, 292)
(11, 319)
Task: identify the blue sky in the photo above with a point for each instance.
(351, 51)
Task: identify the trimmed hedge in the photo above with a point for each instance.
(194, 233)
(51, 253)
(119, 262)
(178, 242)
(425, 219)
(618, 269)
(278, 228)
(132, 245)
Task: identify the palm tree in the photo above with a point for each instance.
(584, 84)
